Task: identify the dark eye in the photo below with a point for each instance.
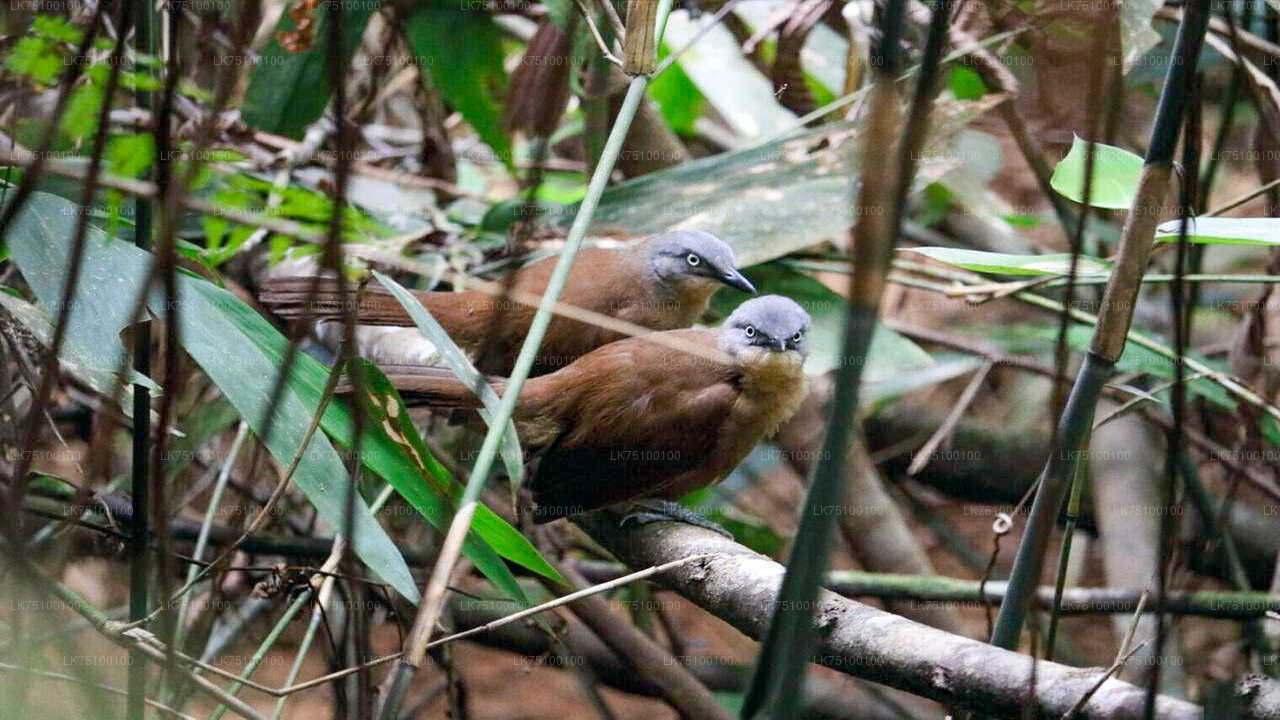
(796, 337)
(693, 259)
(750, 331)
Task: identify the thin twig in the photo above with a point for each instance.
(949, 423)
(81, 681)
(566, 599)
(600, 43)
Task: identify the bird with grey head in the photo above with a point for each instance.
(695, 258)
(653, 417)
(662, 282)
(772, 323)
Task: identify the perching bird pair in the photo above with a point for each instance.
(617, 419)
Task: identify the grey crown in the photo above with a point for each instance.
(772, 322)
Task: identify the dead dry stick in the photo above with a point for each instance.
(957, 411)
(640, 45)
(566, 599)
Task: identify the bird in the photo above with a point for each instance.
(663, 282)
(638, 422)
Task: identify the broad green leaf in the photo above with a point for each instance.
(1010, 264)
(424, 487)
(1223, 231)
(289, 91)
(1270, 430)
(743, 97)
(772, 199)
(130, 155)
(100, 379)
(890, 353)
(1115, 175)
(456, 359)
(111, 278)
(462, 53)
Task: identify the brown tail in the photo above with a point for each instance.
(288, 298)
(430, 386)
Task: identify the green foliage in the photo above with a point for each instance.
(1010, 264)
(1115, 175)
(1040, 338)
(36, 58)
(44, 54)
(462, 54)
(460, 364)
(111, 279)
(56, 28)
(1223, 231)
(242, 354)
(289, 91)
(312, 209)
(965, 83)
(81, 119)
(677, 97)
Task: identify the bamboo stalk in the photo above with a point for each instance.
(140, 488)
(639, 46)
(775, 687)
(1234, 605)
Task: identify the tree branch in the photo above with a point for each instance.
(740, 587)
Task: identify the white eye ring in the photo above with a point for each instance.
(750, 331)
(693, 259)
(796, 337)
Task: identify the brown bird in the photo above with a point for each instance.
(663, 283)
(637, 420)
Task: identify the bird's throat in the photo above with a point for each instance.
(774, 382)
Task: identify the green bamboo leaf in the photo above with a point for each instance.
(385, 409)
(431, 492)
(1115, 175)
(462, 54)
(1223, 231)
(787, 193)
(994, 263)
(512, 457)
(289, 91)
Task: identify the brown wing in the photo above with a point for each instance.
(288, 298)
(636, 419)
(491, 329)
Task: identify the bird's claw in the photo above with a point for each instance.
(650, 511)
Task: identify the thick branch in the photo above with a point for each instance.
(741, 587)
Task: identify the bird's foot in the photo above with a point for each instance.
(649, 511)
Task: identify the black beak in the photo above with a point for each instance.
(735, 279)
